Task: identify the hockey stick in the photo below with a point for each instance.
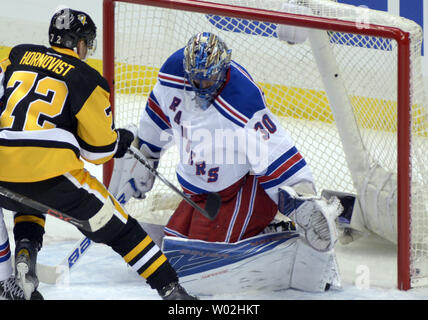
(54, 274)
(45, 273)
(82, 224)
(213, 202)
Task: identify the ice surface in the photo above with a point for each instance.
(102, 274)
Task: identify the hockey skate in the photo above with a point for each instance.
(9, 290)
(174, 291)
(25, 268)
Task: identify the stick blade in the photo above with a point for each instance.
(213, 204)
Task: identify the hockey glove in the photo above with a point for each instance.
(131, 178)
(315, 215)
(125, 138)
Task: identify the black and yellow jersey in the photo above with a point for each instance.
(55, 109)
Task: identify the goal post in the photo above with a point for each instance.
(351, 96)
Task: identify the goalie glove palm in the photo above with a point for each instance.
(315, 215)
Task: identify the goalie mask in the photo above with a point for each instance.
(206, 61)
(69, 26)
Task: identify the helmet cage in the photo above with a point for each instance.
(206, 58)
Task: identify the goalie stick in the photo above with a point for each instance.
(213, 202)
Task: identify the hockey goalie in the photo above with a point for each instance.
(231, 144)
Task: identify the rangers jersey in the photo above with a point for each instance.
(235, 136)
(55, 109)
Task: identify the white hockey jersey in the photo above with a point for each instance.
(235, 136)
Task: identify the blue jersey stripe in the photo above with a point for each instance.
(156, 119)
(4, 245)
(282, 159)
(190, 186)
(4, 251)
(285, 176)
(5, 258)
(175, 85)
(152, 147)
(227, 115)
(153, 97)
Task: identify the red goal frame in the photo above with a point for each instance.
(403, 99)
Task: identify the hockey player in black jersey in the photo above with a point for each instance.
(56, 111)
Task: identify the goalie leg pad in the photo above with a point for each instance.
(287, 262)
(314, 271)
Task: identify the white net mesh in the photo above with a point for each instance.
(145, 36)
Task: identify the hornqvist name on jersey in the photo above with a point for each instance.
(45, 61)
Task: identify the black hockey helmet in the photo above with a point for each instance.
(69, 26)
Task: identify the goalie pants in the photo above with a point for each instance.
(245, 211)
(82, 196)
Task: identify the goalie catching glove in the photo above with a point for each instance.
(315, 215)
(131, 178)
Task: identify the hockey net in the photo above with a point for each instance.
(356, 110)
